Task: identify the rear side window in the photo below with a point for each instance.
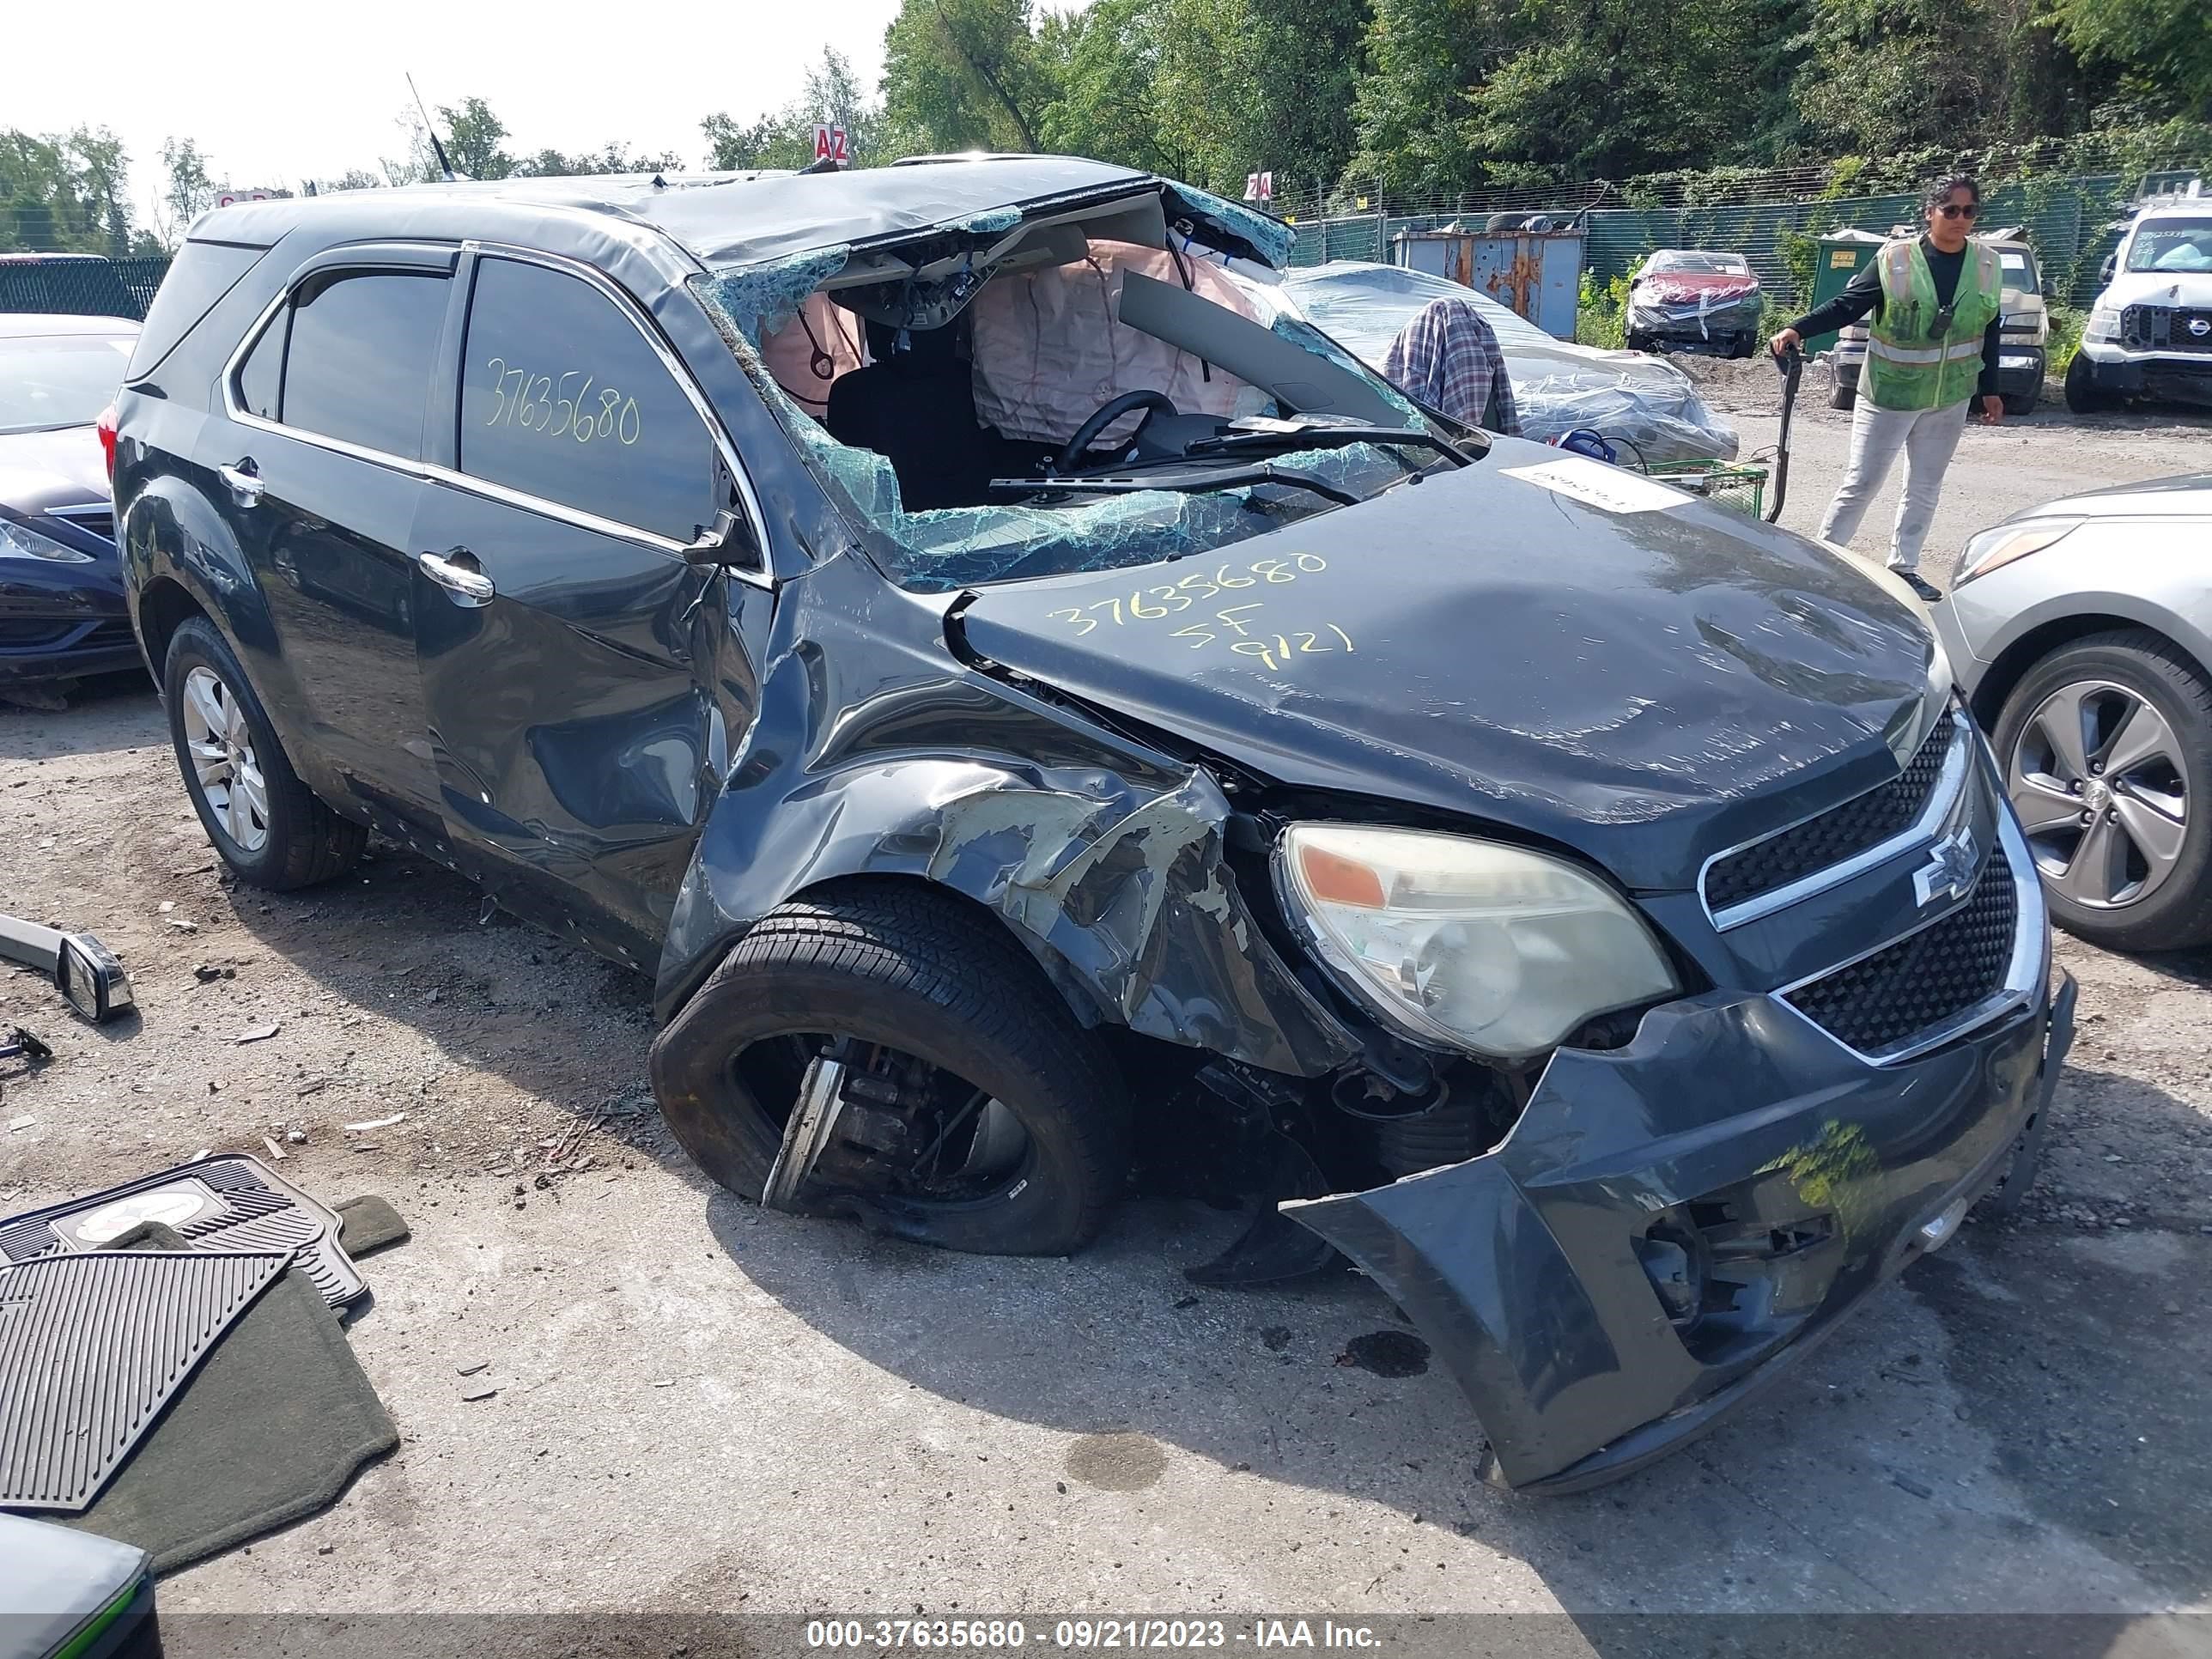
(202, 273)
(363, 348)
(563, 399)
(261, 377)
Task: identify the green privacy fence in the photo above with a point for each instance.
(81, 287)
(2070, 223)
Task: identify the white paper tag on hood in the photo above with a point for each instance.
(1596, 485)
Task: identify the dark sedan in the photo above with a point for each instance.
(62, 612)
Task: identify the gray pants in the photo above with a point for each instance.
(1927, 437)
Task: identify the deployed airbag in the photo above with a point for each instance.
(1050, 346)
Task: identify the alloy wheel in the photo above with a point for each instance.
(221, 745)
(2101, 786)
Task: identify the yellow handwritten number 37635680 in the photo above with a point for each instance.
(542, 403)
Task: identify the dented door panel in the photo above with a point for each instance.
(581, 720)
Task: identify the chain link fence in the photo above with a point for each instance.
(1772, 218)
(81, 285)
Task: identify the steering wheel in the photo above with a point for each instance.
(1105, 415)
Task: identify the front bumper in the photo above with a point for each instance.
(62, 621)
(1733, 1146)
(2020, 370)
(2176, 377)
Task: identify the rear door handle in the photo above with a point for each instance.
(245, 482)
(463, 586)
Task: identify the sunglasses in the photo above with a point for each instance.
(1956, 210)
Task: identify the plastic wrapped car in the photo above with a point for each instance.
(1691, 300)
(1559, 387)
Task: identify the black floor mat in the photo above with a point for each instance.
(230, 1203)
(91, 1349)
(272, 1428)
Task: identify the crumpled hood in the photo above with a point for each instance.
(2158, 288)
(1647, 686)
(42, 470)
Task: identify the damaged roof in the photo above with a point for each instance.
(741, 218)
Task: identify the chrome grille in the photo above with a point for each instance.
(1863, 822)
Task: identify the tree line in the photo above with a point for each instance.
(1398, 96)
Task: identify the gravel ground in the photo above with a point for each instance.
(702, 1406)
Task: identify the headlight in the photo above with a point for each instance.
(20, 541)
(1993, 549)
(1468, 943)
(2103, 323)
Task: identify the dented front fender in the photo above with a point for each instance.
(1103, 858)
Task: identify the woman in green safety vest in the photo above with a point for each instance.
(1934, 302)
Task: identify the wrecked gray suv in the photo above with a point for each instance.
(1034, 702)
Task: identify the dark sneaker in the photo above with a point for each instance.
(1928, 591)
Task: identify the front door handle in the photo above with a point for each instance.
(245, 482)
(463, 586)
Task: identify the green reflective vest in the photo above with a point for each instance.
(1917, 357)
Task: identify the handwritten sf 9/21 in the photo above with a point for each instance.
(542, 403)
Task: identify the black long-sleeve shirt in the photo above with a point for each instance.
(1863, 294)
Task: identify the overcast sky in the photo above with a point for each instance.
(278, 94)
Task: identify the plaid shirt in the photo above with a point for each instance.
(1448, 359)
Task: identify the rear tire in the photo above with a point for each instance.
(2175, 914)
(300, 841)
(914, 971)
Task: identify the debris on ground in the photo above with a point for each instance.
(374, 1123)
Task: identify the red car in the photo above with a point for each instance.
(1689, 300)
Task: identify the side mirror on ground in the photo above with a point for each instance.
(728, 541)
(84, 971)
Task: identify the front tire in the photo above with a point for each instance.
(267, 824)
(2106, 745)
(2021, 404)
(2084, 396)
(1843, 394)
(912, 973)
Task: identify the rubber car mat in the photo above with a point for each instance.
(273, 1427)
(369, 1223)
(228, 1202)
(93, 1347)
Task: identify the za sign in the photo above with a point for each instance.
(829, 145)
(1259, 186)
(230, 196)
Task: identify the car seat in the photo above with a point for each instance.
(916, 407)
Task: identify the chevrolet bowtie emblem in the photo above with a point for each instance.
(1950, 870)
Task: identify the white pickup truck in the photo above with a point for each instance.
(2149, 334)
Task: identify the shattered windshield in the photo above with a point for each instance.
(1002, 399)
(2172, 245)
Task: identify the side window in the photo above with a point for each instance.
(261, 376)
(562, 399)
(364, 346)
